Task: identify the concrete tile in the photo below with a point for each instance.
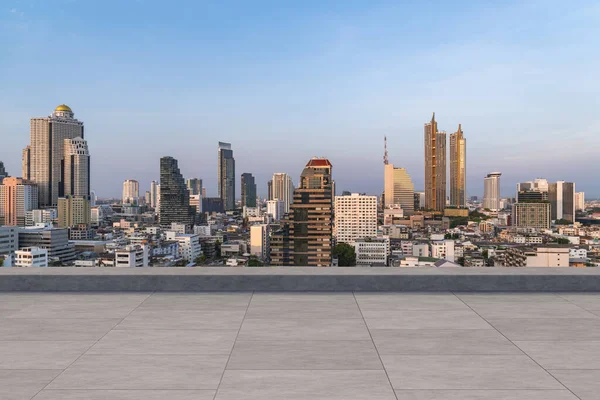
(87, 298)
(125, 395)
(589, 301)
(24, 384)
(450, 319)
(304, 329)
(508, 297)
(305, 385)
(303, 305)
(40, 354)
(409, 301)
(16, 301)
(124, 341)
(484, 395)
(440, 342)
(564, 355)
(137, 372)
(197, 301)
(513, 309)
(466, 372)
(304, 355)
(56, 329)
(147, 319)
(584, 383)
(542, 329)
(75, 310)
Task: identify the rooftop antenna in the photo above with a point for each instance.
(385, 153)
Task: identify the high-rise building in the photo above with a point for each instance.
(203, 192)
(435, 167)
(194, 185)
(131, 191)
(226, 178)
(283, 189)
(76, 168)
(355, 218)
(531, 195)
(531, 215)
(458, 169)
(276, 208)
(539, 185)
(43, 159)
(17, 197)
(579, 201)
(73, 211)
(3, 173)
(259, 241)
(248, 190)
(562, 200)
(153, 194)
(306, 237)
(174, 195)
(270, 190)
(399, 189)
(491, 191)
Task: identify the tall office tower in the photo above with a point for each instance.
(131, 192)
(93, 198)
(153, 194)
(562, 200)
(147, 198)
(458, 169)
(355, 218)
(194, 185)
(259, 241)
(491, 191)
(174, 195)
(270, 190)
(226, 178)
(435, 167)
(76, 168)
(248, 190)
(306, 238)
(17, 197)
(283, 189)
(531, 215)
(579, 201)
(73, 211)
(157, 208)
(399, 188)
(3, 173)
(43, 158)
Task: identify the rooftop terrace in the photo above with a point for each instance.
(299, 346)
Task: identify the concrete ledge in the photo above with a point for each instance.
(299, 279)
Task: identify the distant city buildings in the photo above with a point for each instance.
(174, 195)
(226, 175)
(491, 191)
(131, 191)
(17, 197)
(398, 188)
(282, 189)
(248, 190)
(435, 167)
(458, 169)
(194, 186)
(355, 218)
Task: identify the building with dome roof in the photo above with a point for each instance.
(44, 160)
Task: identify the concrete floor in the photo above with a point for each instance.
(291, 346)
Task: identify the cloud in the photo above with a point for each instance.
(13, 10)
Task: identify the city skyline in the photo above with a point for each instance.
(332, 90)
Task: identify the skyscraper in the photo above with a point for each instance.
(355, 217)
(226, 178)
(131, 191)
(562, 200)
(17, 197)
(73, 211)
(174, 195)
(45, 155)
(491, 191)
(153, 194)
(248, 190)
(435, 166)
(458, 169)
(76, 168)
(579, 201)
(194, 185)
(283, 189)
(270, 190)
(399, 188)
(306, 237)
(3, 173)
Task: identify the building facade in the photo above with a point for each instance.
(226, 175)
(259, 241)
(56, 241)
(73, 212)
(435, 167)
(17, 197)
(31, 257)
(399, 189)
(355, 218)
(194, 186)
(153, 194)
(531, 215)
(174, 195)
(276, 208)
(458, 169)
(131, 191)
(3, 173)
(579, 201)
(491, 191)
(562, 200)
(282, 188)
(248, 190)
(76, 168)
(372, 251)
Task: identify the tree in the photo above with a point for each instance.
(1, 262)
(218, 249)
(562, 222)
(562, 241)
(485, 254)
(461, 261)
(200, 260)
(345, 254)
(253, 262)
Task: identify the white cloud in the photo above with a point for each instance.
(13, 10)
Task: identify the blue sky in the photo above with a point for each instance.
(285, 81)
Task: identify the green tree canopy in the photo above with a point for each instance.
(345, 254)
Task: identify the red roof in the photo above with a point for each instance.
(318, 162)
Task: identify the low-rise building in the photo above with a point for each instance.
(132, 256)
(541, 257)
(372, 251)
(56, 241)
(189, 245)
(259, 241)
(421, 250)
(31, 257)
(443, 249)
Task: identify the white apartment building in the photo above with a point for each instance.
(578, 253)
(131, 191)
(443, 250)
(283, 189)
(392, 213)
(540, 257)
(259, 241)
(132, 256)
(202, 230)
(276, 208)
(407, 247)
(355, 218)
(178, 228)
(579, 201)
(251, 212)
(491, 191)
(420, 250)
(45, 217)
(189, 245)
(31, 257)
(372, 251)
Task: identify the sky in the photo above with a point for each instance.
(285, 81)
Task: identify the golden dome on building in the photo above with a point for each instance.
(63, 107)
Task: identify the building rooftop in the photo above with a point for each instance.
(299, 346)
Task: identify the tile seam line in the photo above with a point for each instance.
(558, 294)
(233, 346)
(85, 352)
(375, 346)
(521, 350)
